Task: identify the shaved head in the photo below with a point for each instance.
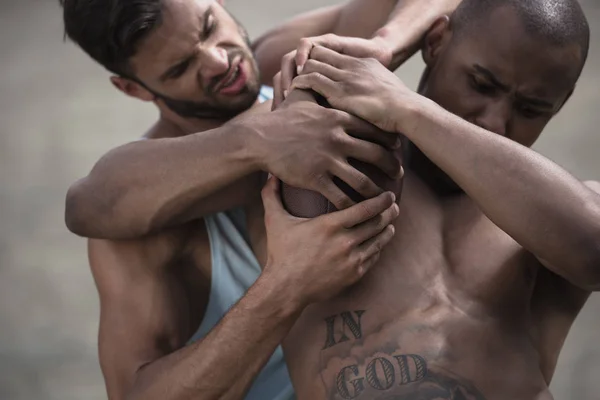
(557, 22)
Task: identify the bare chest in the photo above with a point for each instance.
(447, 303)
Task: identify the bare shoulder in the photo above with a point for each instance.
(114, 263)
(163, 129)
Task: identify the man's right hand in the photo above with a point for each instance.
(317, 258)
(307, 145)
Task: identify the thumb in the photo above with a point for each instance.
(271, 197)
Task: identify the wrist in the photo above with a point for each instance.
(248, 137)
(415, 111)
(275, 296)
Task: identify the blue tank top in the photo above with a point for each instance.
(234, 269)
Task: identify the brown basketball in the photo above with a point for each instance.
(308, 204)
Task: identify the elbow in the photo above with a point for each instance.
(87, 212)
(75, 218)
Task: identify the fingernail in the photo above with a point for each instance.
(299, 69)
(397, 144)
(393, 196)
(285, 93)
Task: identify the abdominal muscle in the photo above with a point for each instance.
(432, 355)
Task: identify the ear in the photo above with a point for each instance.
(435, 39)
(131, 88)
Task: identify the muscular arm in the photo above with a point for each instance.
(357, 18)
(543, 207)
(398, 24)
(145, 324)
(407, 24)
(144, 186)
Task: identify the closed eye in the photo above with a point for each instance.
(209, 26)
(481, 85)
(178, 70)
(529, 112)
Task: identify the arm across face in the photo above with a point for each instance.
(562, 233)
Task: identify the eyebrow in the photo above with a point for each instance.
(526, 99)
(491, 77)
(535, 101)
(190, 57)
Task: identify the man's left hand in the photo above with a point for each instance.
(293, 62)
(360, 86)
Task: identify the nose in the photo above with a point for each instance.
(214, 62)
(495, 117)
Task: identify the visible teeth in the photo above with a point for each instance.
(232, 78)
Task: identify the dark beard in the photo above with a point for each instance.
(211, 108)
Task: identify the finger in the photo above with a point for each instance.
(373, 154)
(302, 53)
(363, 211)
(367, 230)
(277, 91)
(324, 69)
(357, 180)
(335, 195)
(299, 96)
(317, 82)
(271, 198)
(288, 72)
(331, 57)
(368, 264)
(374, 245)
(359, 128)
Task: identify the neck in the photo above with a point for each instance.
(187, 126)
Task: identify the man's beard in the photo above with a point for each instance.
(212, 108)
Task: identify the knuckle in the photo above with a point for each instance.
(363, 183)
(364, 209)
(310, 65)
(305, 42)
(339, 137)
(345, 202)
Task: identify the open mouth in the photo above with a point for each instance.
(234, 81)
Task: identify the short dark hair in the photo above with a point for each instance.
(110, 31)
(560, 22)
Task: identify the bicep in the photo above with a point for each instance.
(143, 315)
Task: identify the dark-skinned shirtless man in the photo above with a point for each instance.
(496, 249)
(181, 314)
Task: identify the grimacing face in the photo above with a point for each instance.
(500, 78)
(198, 62)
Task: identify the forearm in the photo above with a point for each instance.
(147, 185)
(408, 23)
(542, 206)
(224, 364)
(270, 48)
(355, 18)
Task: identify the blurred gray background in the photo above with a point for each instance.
(59, 114)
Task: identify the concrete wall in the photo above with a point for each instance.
(59, 114)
